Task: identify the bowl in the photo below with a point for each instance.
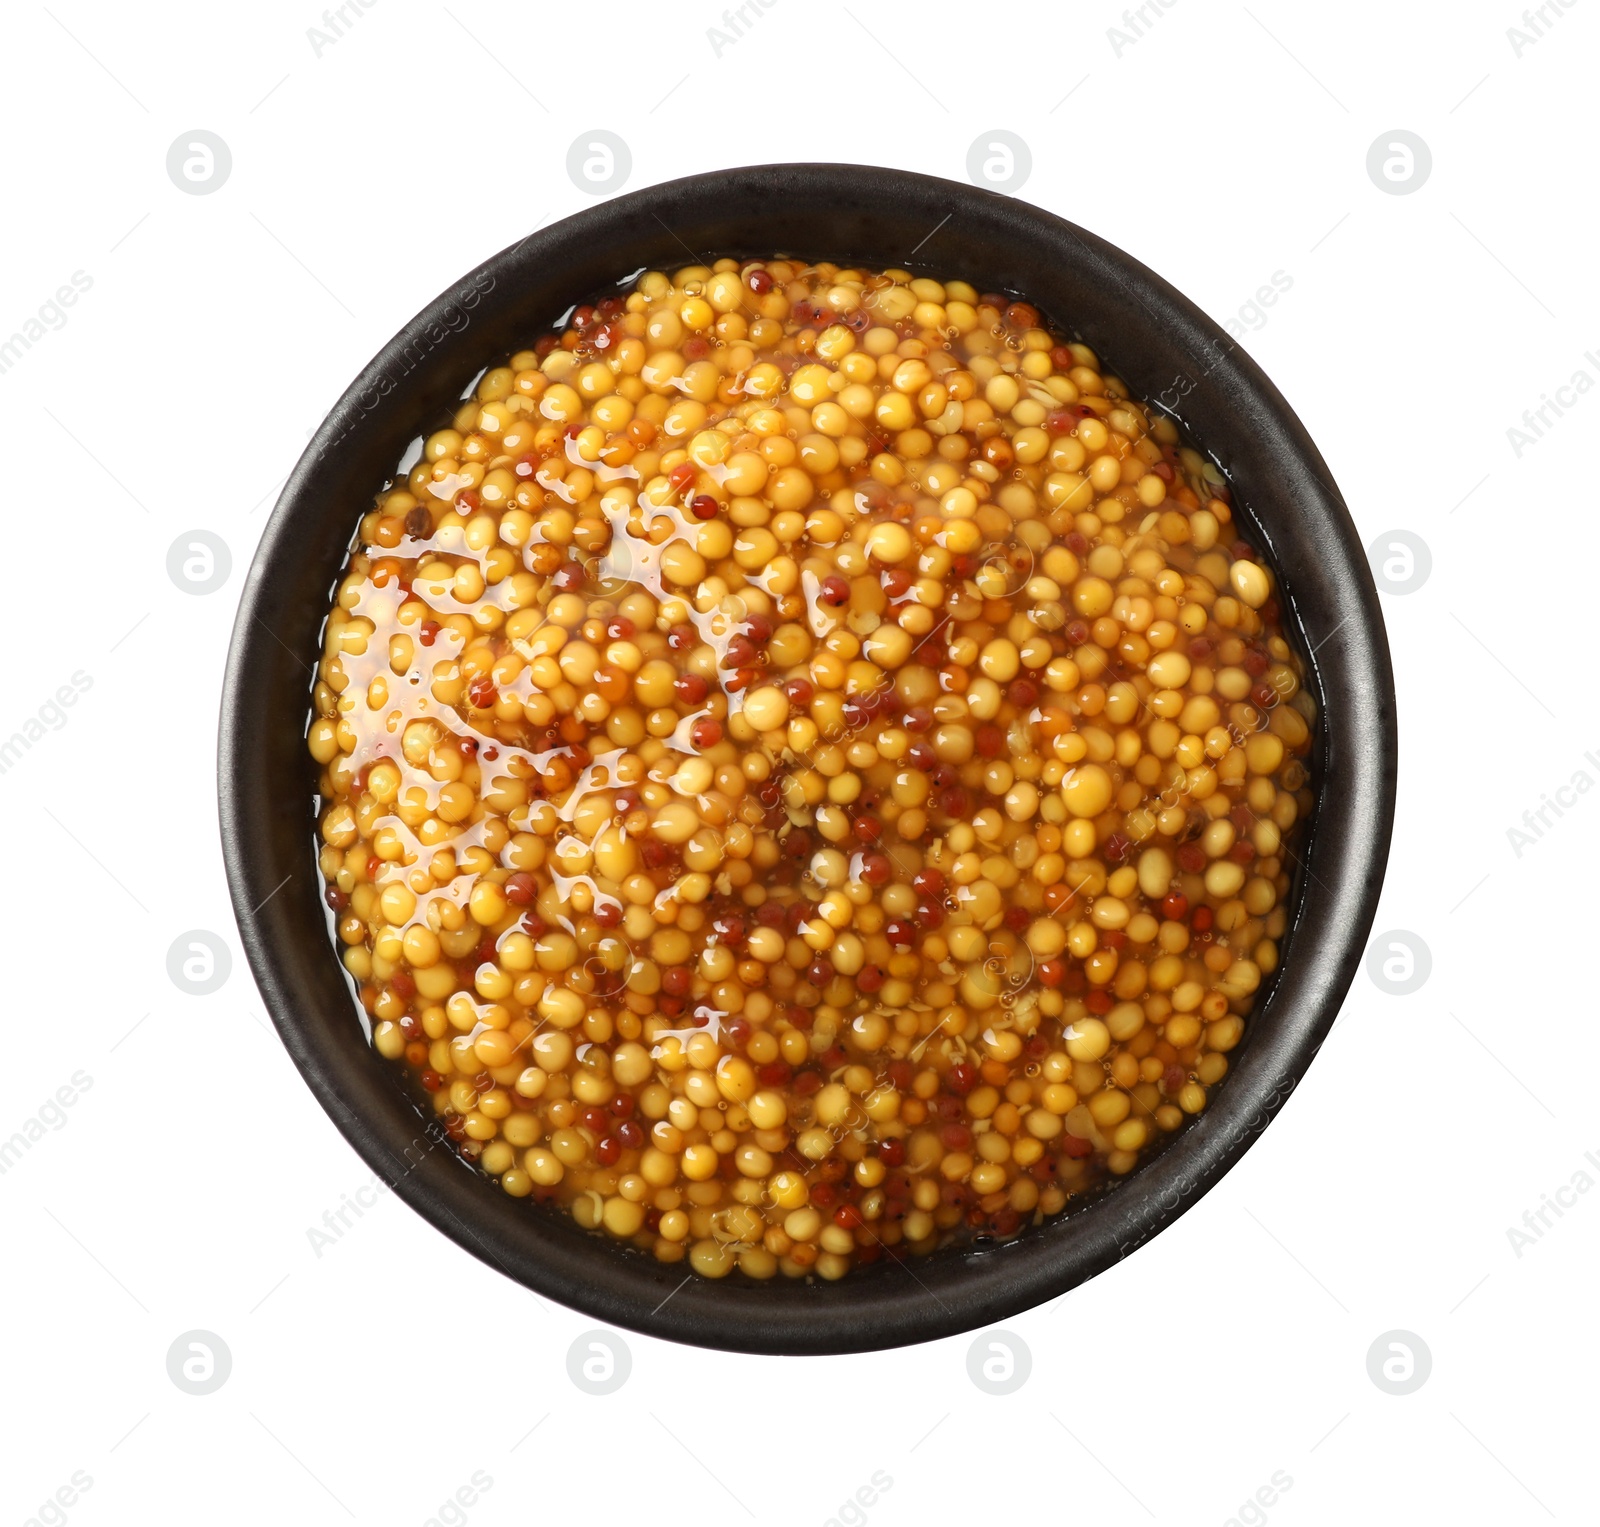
(1167, 351)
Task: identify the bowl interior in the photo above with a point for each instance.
(1167, 352)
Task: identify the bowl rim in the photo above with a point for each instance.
(1322, 568)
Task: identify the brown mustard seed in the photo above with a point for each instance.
(807, 766)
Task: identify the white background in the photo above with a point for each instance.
(368, 1383)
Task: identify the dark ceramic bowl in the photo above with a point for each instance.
(1166, 350)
